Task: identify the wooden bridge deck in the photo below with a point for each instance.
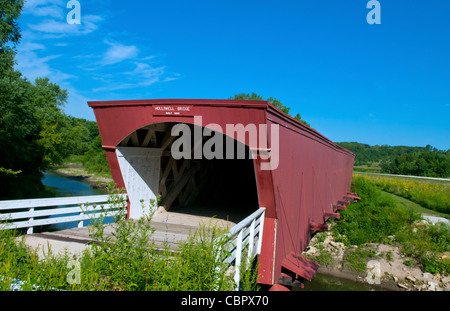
(172, 227)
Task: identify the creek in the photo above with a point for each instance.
(61, 186)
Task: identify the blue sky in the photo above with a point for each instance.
(376, 84)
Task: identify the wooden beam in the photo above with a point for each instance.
(125, 141)
(159, 127)
(340, 207)
(134, 139)
(162, 182)
(150, 136)
(314, 227)
(328, 215)
(177, 187)
(168, 138)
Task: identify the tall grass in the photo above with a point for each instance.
(434, 196)
(374, 218)
(380, 219)
(126, 260)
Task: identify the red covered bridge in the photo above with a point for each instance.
(266, 159)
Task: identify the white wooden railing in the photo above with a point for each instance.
(249, 233)
(246, 235)
(36, 212)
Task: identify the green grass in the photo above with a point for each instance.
(355, 259)
(380, 215)
(431, 194)
(372, 219)
(375, 168)
(410, 205)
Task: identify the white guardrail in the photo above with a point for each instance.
(249, 233)
(39, 212)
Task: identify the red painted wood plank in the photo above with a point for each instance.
(328, 215)
(301, 266)
(314, 227)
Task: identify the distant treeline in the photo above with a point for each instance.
(404, 160)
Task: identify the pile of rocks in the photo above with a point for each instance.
(393, 274)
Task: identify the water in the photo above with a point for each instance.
(322, 282)
(66, 187)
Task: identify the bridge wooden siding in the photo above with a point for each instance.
(311, 183)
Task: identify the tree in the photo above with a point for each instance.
(272, 100)
(47, 101)
(9, 29)
(9, 32)
(31, 116)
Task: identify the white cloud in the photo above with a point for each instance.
(118, 52)
(32, 66)
(28, 46)
(49, 8)
(56, 28)
(145, 71)
(143, 75)
(108, 65)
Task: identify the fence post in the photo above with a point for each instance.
(260, 232)
(251, 241)
(80, 223)
(237, 274)
(30, 229)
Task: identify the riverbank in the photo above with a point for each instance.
(382, 266)
(78, 172)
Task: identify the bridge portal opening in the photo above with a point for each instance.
(223, 187)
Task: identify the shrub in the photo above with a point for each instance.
(427, 243)
(372, 219)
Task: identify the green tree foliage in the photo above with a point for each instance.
(425, 163)
(94, 159)
(80, 134)
(31, 117)
(403, 160)
(367, 154)
(47, 99)
(272, 100)
(9, 29)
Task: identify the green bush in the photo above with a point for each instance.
(94, 160)
(427, 243)
(372, 219)
(378, 216)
